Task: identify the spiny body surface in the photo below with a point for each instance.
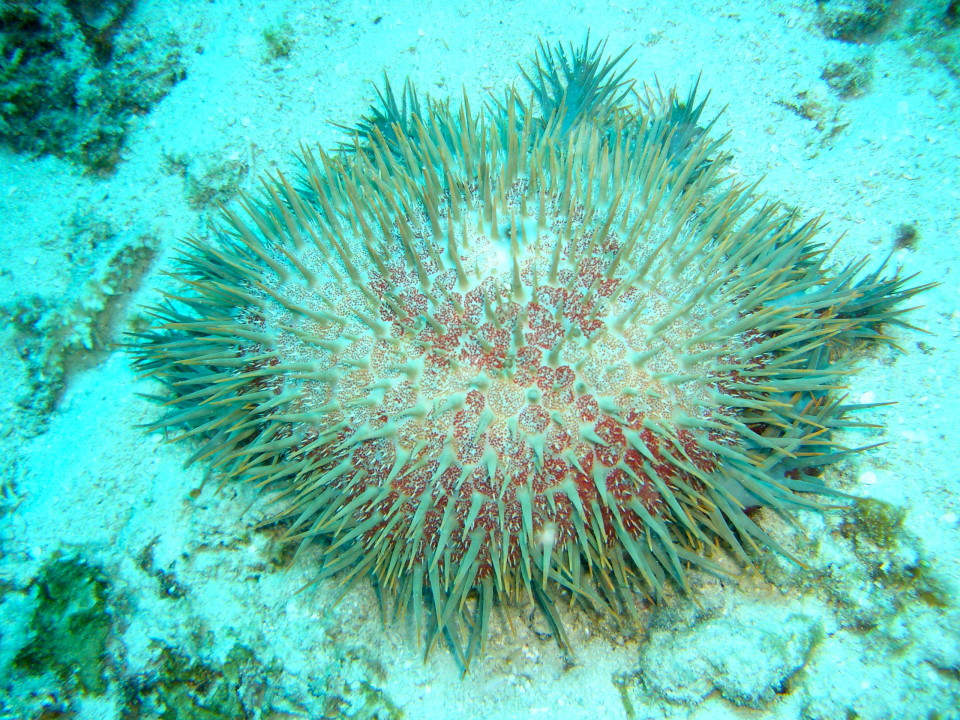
(542, 349)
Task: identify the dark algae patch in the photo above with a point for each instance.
(71, 626)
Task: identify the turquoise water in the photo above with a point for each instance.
(133, 585)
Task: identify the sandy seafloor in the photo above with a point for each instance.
(198, 602)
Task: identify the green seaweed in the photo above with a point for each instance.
(170, 587)
(279, 40)
(71, 626)
(877, 520)
(73, 75)
(849, 79)
(352, 692)
(181, 686)
(852, 20)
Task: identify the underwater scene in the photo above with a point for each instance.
(516, 359)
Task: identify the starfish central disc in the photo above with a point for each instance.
(487, 404)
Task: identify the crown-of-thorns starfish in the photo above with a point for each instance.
(543, 349)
